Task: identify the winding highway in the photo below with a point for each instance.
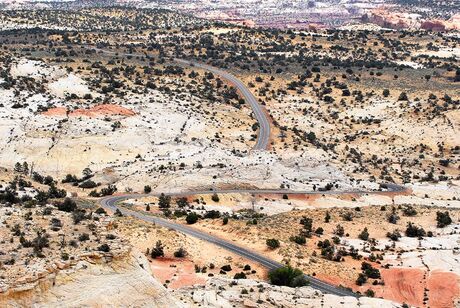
(263, 138)
(111, 204)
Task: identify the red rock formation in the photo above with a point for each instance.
(93, 112)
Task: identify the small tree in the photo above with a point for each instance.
(307, 226)
(18, 167)
(191, 218)
(364, 235)
(104, 248)
(157, 250)
(87, 173)
(414, 231)
(339, 230)
(118, 213)
(361, 279)
(68, 205)
(287, 276)
(240, 275)
(443, 219)
(182, 202)
(298, 239)
(147, 189)
(327, 218)
(403, 97)
(215, 197)
(273, 243)
(25, 168)
(164, 201)
(180, 253)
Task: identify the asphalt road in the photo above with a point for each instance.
(263, 138)
(111, 204)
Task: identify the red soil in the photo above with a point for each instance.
(407, 285)
(56, 112)
(93, 112)
(180, 273)
(443, 288)
(402, 285)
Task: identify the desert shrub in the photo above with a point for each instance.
(287, 276)
(319, 231)
(239, 276)
(180, 253)
(409, 211)
(88, 184)
(364, 235)
(215, 198)
(394, 235)
(68, 205)
(414, 231)
(369, 293)
(273, 243)
(443, 219)
(100, 211)
(298, 239)
(158, 250)
(104, 248)
(83, 237)
(213, 214)
(369, 271)
(191, 218)
(339, 230)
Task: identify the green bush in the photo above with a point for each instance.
(180, 253)
(298, 239)
(443, 219)
(215, 198)
(273, 243)
(287, 276)
(191, 218)
(240, 276)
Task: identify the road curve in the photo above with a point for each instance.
(111, 203)
(263, 137)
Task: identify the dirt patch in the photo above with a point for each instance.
(101, 110)
(443, 289)
(176, 273)
(93, 112)
(403, 285)
(55, 112)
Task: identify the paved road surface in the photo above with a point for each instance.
(110, 203)
(263, 137)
